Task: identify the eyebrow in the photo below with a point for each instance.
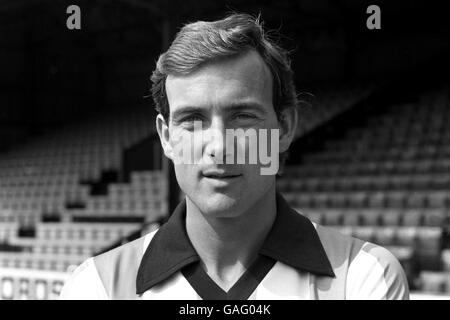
(237, 106)
(186, 110)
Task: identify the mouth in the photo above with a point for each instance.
(221, 175)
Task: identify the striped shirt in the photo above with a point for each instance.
(298, 260)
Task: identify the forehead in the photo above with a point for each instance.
(245, 78)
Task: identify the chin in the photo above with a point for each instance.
(220, 206)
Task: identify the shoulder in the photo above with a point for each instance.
(376, 273)
(110, 275)
(118, 267)
(379, 255)
(370, 271)
(131, 250)
(84, 284)
(340, 248)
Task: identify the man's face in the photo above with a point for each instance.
(234, 93)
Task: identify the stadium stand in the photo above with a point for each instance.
(386, 181)
(63, 197)
(328, 100)
(62, 201)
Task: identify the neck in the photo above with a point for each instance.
(227, 246)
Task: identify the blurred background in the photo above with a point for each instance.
(81, 169)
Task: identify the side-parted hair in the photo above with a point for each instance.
(202, 42)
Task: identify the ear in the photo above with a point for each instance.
(163, 132)
(288, 126)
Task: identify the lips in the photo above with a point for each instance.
(220, 174)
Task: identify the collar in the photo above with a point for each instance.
(293, 240)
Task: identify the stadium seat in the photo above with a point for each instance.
(433, 282)
(332, 217)
(402, 253)
(429, 240)
(412, 217)
(385, 236)
(438, 199)
(377, 200)
(407, 236)
(364, 233)
(391, 217)
(396, 199)
(445, 257)
(416, 200)
(351, 218)
(370, 217)
(434, 217)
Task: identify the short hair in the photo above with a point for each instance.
(201, 42)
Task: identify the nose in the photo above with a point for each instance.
(215, 141)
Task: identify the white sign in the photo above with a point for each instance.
(26, 284)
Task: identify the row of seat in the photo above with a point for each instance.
(401, 125)
(61, 153)
(366, 182)
(11, 217)
(139, 213)
(427, 239)
(110, 157)
(68, 177)
(33, 170)
(370, 168)
(92, 231)
(103, 203)
(24, 260)
(390, 138)
(84, 247)
(436, 282)
(55, 177)
(368, 199)
(145, 192)
(8, 230)
(416, 248)
(381, 154)
(377, 217)
(37, 205)
(49, 194)
(34, 187)
(145, 177)
(363, 140)
(412, 116)
(51, 178)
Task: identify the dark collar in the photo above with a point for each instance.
(292, 240)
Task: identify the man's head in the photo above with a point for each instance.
(228, 75)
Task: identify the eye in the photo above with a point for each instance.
(191, 122)
(192, 118)
(244, 116)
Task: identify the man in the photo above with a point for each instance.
(233, 237)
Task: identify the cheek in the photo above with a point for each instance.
(261, 150)
(185, 171)
(186, 147)
(256, 183)
(186, 176)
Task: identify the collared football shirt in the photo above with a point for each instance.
(298, 260)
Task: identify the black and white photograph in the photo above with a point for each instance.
(224, 150)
